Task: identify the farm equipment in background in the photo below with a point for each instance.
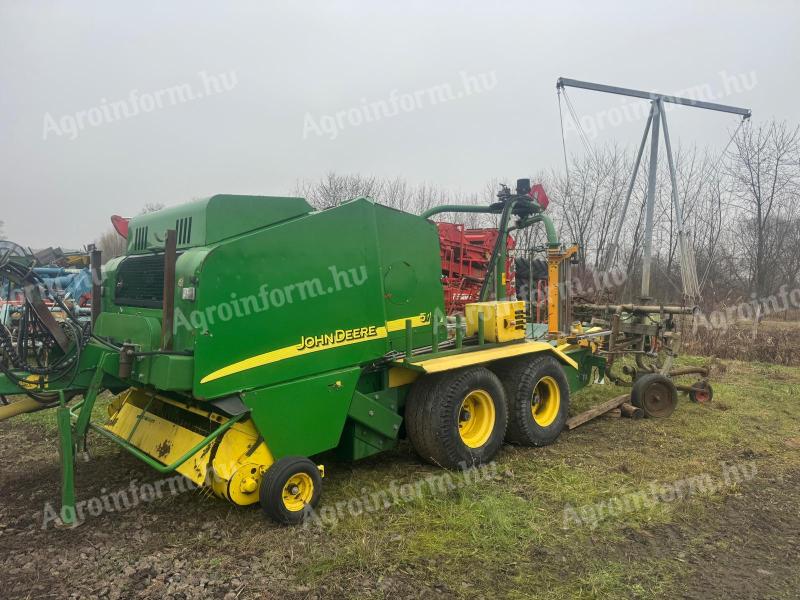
(62, 279)
(44, 310)
(465, 255)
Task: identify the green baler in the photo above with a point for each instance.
(244, 336)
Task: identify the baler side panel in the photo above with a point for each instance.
(290, 301)
(410, 273)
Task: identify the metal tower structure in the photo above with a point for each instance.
(656, 120)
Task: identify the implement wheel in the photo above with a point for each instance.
(538, 400)
(457, 419)
(701, 392)
(290, 489)
(655, 394)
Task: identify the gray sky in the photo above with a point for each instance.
(108, 73)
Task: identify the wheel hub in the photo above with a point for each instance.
(658, 400)
(297, 492)
(476, 418)
(546, 401)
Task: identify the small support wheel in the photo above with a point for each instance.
(655, 394)
(290, 489)
(701, 392)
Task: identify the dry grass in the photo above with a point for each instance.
(776, 342)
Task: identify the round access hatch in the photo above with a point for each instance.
(400, 282)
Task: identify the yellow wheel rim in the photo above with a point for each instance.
(546, 401)
(298, 491)
(476, 418)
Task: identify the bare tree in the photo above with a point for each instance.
(766, 184)
(586, 202)
(111, 244)
(333, 189)
(151, 207)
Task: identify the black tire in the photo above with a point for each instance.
(533, 384)
(457, 419)
(701, 392)
(655, 394)
(290, 505)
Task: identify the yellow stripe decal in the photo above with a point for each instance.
(310, 344)
(419, 320)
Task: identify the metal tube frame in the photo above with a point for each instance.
(611, 89)
(657, 117)
(647, 250)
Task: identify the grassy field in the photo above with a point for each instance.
(703, 504)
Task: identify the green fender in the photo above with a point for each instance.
(305, 416)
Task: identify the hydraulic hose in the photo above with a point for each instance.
(15, 366)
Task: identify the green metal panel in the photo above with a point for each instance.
(374, 420)
(411, 272)
(359, 441)
(370, 412)
(306, 416)
(138, 326)
(173, 373)
(283, 302)
(211, 220)
(582, 376)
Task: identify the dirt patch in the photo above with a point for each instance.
(186, 546)
(749, 547)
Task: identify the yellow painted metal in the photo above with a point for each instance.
(298, 491)
(419, 320)
(503, 321)
(476, 418)
(115, 404)
(546, 401)
(555, 257)
(318, 343)
(398, 376)
(32, 382)
(19, 407)
(232, 468)
(465, 359)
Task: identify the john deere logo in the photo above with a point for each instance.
(338, 337)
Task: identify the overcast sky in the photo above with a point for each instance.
(95, 117)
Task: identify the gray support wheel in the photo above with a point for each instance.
(655, 394)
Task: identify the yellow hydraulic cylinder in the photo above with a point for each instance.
(19, 407)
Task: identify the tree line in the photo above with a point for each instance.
(741, 210)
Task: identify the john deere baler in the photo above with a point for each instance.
(245, 336)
